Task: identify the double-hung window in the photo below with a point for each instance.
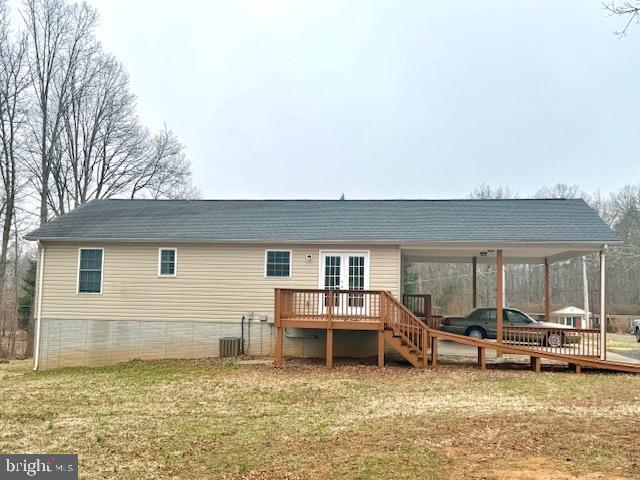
(278, 264)
(90, 270)
(167, 262)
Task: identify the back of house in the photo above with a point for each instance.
(125, 279)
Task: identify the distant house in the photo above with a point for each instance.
(124, 279)
(573, 316)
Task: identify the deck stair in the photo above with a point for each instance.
(409, 354)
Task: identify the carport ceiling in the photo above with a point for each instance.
(532, 255)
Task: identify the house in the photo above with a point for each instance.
(572, 316)
(124, 279)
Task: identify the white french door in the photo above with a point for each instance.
(345, 271)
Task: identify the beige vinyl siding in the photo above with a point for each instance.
(214, 282)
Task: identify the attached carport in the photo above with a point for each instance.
(514, 252)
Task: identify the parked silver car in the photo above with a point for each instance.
(636, 328)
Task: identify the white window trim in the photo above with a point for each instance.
(266, 253)
(175, 262)
(78, 292)
(367, 265)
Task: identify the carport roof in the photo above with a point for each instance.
(408, 223)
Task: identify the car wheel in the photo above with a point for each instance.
(638, 335)
(475, 332)
(554, 340)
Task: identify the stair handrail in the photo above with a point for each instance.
(416, 335)
(399, 304)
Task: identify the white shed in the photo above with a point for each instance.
(571, 315)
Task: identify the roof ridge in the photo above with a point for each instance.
(336, 200)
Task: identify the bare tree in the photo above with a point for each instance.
(102, 138)
(628, 11)
(486, 192)
(104, 151)
(14, 82)
(560, 190)
(164, 172)
(60, 35)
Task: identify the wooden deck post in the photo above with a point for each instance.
(482, 358)
(575, 367)
(330, 304)
(474, 282)
(434, 352)
(547, 292)
(536, 364)
(381, 348)
(279, 333)
(425, 353)
(499, 296)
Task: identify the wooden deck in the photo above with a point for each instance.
(417, 340)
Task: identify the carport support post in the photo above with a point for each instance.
(603, 313)
(547, 292)
(499, 296)
(474, 282)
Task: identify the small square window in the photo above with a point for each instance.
(167, 260)
(278, 263)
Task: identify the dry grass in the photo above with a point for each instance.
(622, 340)
(210, 419)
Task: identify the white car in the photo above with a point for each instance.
(636, 328)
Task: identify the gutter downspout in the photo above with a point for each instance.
(36, 350)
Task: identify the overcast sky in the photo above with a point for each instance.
(385, 99)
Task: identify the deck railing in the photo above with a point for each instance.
(573, 341)
(418, 303)
(374, 306)
(348, 305)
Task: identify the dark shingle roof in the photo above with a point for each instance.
(554, 220)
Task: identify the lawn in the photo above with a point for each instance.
(623, 344)
(214, 419)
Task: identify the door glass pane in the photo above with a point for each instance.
(356, 280)
(332, 274)
(356, 273)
